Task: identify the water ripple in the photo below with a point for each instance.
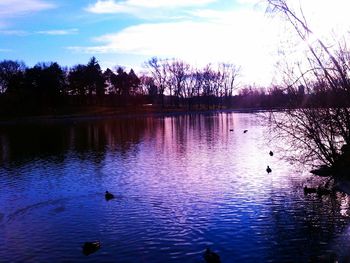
(181, 184)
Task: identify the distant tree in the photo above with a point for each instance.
(122, 83)
(110, 80)
(230, 73)
(158, 70)
(45, 82)
(190, 87)
(218, 86)
(149, 88)
(94, 78)
(146, 82)
(245, 91)
(87, 79)
(77, 80)
(55, 79)
(198, 85)
(178, 71)
(134, 83)
(209, 84)
(11, 75)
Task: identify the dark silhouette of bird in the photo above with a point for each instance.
(108, 196)
(268, 169)
(231, 129)
(211, 257)
(91, 247)
(271, 153)
(245, 131)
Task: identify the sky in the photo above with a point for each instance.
(130, 32)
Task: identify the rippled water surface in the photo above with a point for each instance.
(182, 183)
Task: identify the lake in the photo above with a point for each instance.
(182, 183)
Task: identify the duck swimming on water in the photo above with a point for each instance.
(108, 196)
(271, 153)
(268, 169)
(211, 257)
(91, 247)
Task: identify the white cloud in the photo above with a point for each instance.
(134, 6)
(12, 8)
(109, 7)
(248, 1)
(167, 3)
(246, 37)
(14, 32)
(5, 50)
(58, 32)
(242, 38)
(55, 32)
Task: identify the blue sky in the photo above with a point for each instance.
(129, 32)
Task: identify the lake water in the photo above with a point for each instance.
(182, 183)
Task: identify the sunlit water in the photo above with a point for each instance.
(182, 183)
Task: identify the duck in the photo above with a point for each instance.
(91, 247)
(231, 130)
(245, 131)
(211, 257)
(268, 169)
(271, 153)
(109, 196)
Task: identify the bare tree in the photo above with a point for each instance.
(178, 71)
(320, 130)
(230, 73)
(147, 85)
(10, 74)
(178, 80)
(191, 82)
(158, 70)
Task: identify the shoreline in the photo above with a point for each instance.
(135, 113)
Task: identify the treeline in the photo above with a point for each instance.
(316, 94)
(48, 88)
